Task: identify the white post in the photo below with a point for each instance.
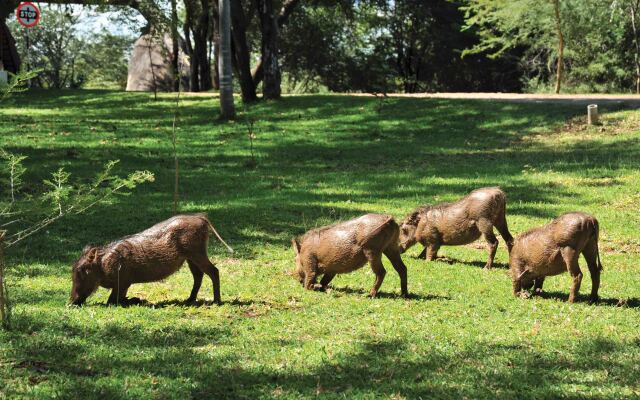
(592, 114)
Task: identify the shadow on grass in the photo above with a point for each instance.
(452, 260)
(385, 295)
(584, 298)
(369, 367)
(137, 302)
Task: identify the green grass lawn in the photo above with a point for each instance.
(321, 159)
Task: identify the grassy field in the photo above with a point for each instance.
(321, 159)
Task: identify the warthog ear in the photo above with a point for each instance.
(296, 245)
(412, 219)
(93, 254)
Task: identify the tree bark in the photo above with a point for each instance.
(215, 42)
(269, 47)
(283, 18)
(194, 81)
(633, 9)
(175, 47)
(204, 25)
(556, 7)
(227, 108)
(198, 24)
(241, 52)
(11, 61)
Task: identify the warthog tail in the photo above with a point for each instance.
(218, 236)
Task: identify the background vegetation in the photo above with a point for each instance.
(320, 159)
(352, 46)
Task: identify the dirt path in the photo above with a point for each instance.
(633, 100)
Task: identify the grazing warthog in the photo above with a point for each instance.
(347, 246)
(458, 223)
(555, 248)
(148, 256)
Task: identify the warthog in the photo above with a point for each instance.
(555, 248)
(148, 256)
(458, 223)
(347, 246)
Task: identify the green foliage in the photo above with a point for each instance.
(15, 170)
(405, 45)
(60, 197)
(322, 159)
(59, 191)
(52, 47)
(597, 53)
(105, 57)
(69, 59)
(17, 84)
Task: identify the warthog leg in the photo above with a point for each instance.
(401, 269)
(537, 285)
(375, 259)
(203, 263)
(326, 279)
(197, 281)
(432, 251)
(486, 228)
(118, 295)
(590, 253)
(570, 257)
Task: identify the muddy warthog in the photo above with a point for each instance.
(347, 246)
(555, 248)
(458, 223)
(148, 256)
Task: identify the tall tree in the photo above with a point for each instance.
(634, 10)
(241, 51)
(227, 108)
(560, 62)
(199, 24)
(507, 24)
(288, 6)
(175, 48)
(269, 45)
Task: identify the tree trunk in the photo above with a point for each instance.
(215, 40)
(269, 59)
(204, 33)
(8, 51)
(202, 63)
(216, 64)
(197, 24)
(634, 8)
(194, 82)
(556, 7)
(9, 54)
(241, 52)
(287, 8)
(175, 47)
(227, 108)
